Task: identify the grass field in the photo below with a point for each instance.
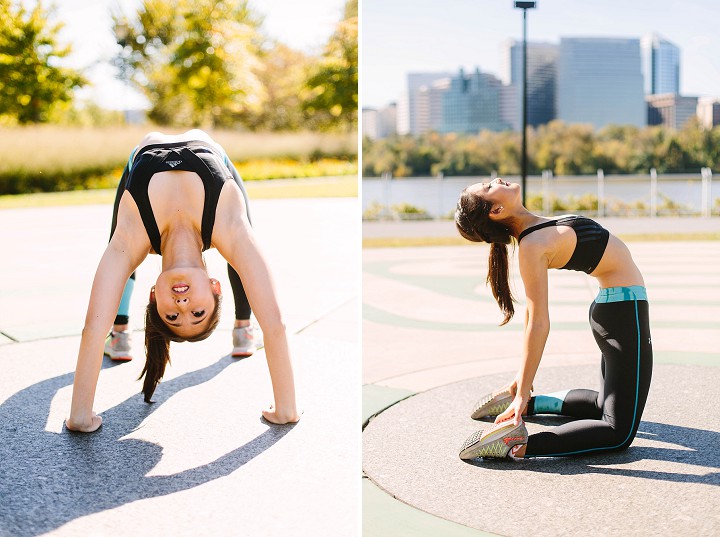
(50, 157)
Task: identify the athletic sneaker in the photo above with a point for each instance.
(246, 340)
(492, 404)
(117, 346)
(496, 442)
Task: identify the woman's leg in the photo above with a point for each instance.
(622, 332)
(245, 340)
(242, 305)
(118, 346)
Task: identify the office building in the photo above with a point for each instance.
(671, 110)
(471, 103)
(661, 65)
(407, 106)
(541, 72)
(599, 81)
(379, 122)
(369, 123)
(708, 111)
(429, 107)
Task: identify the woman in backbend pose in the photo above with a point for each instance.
(178, 197)
(607, 420)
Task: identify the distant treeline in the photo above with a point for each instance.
(200, 63)
(564, 149)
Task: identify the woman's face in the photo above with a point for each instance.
(185, 299)
(497, 192)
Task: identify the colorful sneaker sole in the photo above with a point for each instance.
(495, 442)
(492, 405)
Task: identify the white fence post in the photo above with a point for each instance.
(601, 193)
(547, 206)
(706, 202)
(440, 177)
(653, 192)
(387, 176)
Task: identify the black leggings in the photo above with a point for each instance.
(609, 419)
(242, 305)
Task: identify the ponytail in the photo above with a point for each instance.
(498, 277)
(157, 344)
(472, 219)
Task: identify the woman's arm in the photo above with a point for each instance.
(114, 269)
(235, 239)
(533, 271)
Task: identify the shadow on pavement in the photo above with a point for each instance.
(695, 447)
(49, 479)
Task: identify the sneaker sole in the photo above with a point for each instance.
(493, 443)
(492, 406)
(242, 354)
(119, 357)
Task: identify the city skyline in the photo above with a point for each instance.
(394, 47)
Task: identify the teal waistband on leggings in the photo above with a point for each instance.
(621, 294)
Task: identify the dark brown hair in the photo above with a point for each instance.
(472, 219)
(158, 336)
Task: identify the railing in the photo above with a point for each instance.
(650, 195)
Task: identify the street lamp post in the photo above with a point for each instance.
(523, 162)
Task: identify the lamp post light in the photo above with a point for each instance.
(523, 162)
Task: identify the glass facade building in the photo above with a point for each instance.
(661, 65)
(600, 82)
(542, 73)
(471, 103)
(408, 104)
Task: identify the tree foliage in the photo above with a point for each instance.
(31, 82)
(332, 89)
(196, 60)
(565, 149)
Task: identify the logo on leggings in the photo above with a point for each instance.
(173, 163)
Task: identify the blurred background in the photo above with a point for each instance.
(276, 83)
(623, 105)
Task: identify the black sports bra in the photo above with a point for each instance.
(592, 240)
(192, 156)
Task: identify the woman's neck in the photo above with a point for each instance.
(181, 247)
(521, 219)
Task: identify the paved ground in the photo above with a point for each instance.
(200, 461)
(431, 341)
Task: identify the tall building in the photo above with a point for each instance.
(429, 109)
(671, 110)
(599, 81)
(661, 65)
(708, 111)
(472, 103)
(407, 107)
(370, 123)
(541, 72)
(379, 122)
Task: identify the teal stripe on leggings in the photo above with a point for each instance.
(637, 388)
(124, 308)
(621, 294)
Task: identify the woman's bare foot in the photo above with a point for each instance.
(84, 426)
(280, 418)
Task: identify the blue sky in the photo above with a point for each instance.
(400, 36)
(302, 25)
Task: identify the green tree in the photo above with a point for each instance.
(282, 75)
(332, 89)
(31, 82)
(196, 60)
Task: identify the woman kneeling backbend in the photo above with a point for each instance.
(607, 420)
(179, 196)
